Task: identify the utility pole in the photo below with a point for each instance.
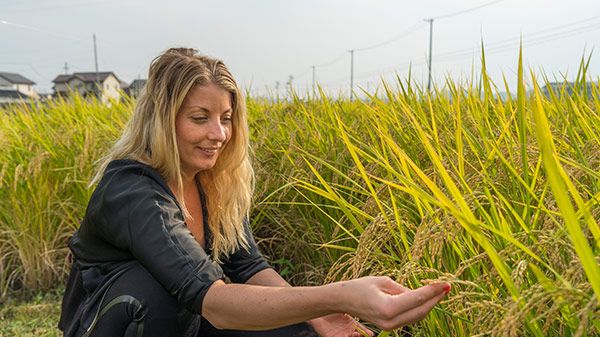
(66, 68)
(430, 49)
(351, 75)
(313, 82)
(290, 86)
(96, 62)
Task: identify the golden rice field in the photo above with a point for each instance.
(499, 197)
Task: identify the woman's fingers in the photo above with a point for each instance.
(417, 313)
(391, 305)
(414, 298)
(410, 306)
(392, 287)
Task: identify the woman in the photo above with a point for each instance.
(166, 227)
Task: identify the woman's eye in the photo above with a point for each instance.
(199, 119)
(226, 118)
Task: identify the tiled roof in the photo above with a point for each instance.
(62, 78)
(4, 82)
(86, 77)
(138, 84)
(16, 78)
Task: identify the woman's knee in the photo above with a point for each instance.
(148, 293)
(120, 316)
(137, 305)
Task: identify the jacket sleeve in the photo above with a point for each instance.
(241, 265)
(141, 217)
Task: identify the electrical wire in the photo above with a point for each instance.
(511, 41)
(77, 4)
(410, 30)
(64, 36)
(466, 10)
(493, 48)
(335, 60)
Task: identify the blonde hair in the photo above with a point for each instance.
(150, 138)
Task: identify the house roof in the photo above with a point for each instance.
(4, 82)
(12, 93)
(138, 83)
(62, 78)
(16, 78)
(86, 77)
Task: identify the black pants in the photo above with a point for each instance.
(136, 305)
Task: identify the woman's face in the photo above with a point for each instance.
(203, 126)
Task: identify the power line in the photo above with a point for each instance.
(509, 43)
(410, 30)
(38, 51)
(79, 4)
(313, 67)
(4, 22)
(331, 62)
(430, 20)
(535, 38)
(381, 44)
(49, 32)
(466, 10)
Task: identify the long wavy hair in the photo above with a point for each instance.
(149, 137)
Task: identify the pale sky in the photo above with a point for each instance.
(265, 41)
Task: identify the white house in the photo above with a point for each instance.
(104, 85)
(15, 88)
(8, 96)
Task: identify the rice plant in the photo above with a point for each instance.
(498, 196)
(47, 159)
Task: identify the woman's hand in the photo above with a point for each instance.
(378, 300)
(387, 304)
(339, 325)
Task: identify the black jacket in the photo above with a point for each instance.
(133, 216)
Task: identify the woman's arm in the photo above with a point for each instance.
(268, 278)
(338, 324)
(379, 300)
(253, 307)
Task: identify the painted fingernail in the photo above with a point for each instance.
(447, 288)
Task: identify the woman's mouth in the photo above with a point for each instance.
(209, 150)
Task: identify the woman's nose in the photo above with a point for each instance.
(217, 131)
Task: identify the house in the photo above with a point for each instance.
(8, 96)
(103, 85)
(567, 87)
(16, 88)
(135, 88)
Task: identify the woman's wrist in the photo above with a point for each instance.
(336, 297)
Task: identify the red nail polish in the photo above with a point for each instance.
(447, 288)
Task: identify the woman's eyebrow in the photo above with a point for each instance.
(196, 107)
(203, 109)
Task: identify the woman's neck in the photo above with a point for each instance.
(187, 184)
